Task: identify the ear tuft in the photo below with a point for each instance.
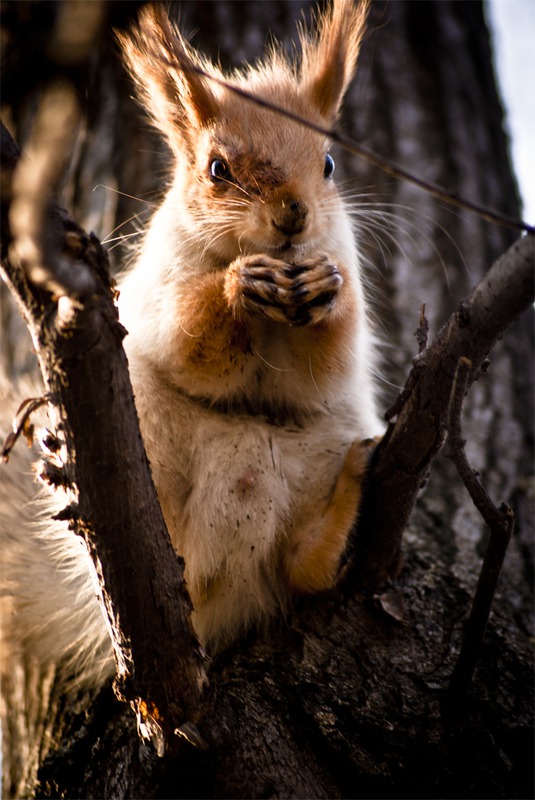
(330, 55)
(163, 66)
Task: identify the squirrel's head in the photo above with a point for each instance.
(252, 179)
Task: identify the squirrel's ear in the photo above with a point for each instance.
(163, 66)
(329, 56)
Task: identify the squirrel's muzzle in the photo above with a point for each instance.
(290, 217)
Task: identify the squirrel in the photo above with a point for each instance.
(249, 344)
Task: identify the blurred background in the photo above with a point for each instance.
(512, 26)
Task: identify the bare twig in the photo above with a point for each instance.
(402, 459)
(493, 516)
(21, 423)
(501, 522)
(385, 165)
(422, 331)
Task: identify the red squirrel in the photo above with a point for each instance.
(249, 344)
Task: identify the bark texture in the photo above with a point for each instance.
(340, 698)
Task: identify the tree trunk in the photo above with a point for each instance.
(340, 698)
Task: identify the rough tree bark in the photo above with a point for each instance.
(340, 699)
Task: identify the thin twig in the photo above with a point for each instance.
(422, 331)
(501, 522)
(20, 423)
(384, 164)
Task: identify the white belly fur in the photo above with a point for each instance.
(232, 488)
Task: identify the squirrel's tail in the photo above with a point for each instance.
(48, 604)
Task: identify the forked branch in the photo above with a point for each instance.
(419, 418)
(501, 523)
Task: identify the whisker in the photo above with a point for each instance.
(124, 194)
(272, 366)
(134, 219)
(240, 188)
(373, 217)
(122, 237)
(384, 380)
(312, 374)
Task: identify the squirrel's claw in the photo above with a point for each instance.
(294, 294)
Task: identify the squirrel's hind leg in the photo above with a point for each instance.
(313, 555)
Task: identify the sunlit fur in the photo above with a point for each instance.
(252, 424)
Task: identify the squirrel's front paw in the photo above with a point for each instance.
(295, 294)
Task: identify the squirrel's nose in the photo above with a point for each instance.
(290, 217)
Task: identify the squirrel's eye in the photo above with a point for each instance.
(328, 169)
(219, 170)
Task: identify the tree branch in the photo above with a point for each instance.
(402, 460)
(501, 523)
(79, 342)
